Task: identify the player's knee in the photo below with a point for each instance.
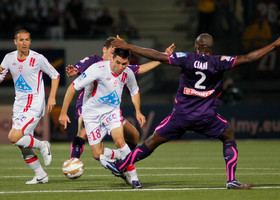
(228, 135)
(14, 136)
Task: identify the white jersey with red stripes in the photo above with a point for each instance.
(28, 81)
(107, 88)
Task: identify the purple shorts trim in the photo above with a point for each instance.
(174, 126)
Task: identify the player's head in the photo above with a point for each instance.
(204, 43)
(22, 40)
(120, 60)
(108, 50)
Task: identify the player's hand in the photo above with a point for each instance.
(71, 71)
(119, 43)
(1, 69)
(141, 119)
(51, 104)
(170, 49)
(63, 120)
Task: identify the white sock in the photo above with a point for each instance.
(112, 153)
(124, 151)
(131, 170)
(28, 141)
(31, 159)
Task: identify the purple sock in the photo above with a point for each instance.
(230, 156)
(136, 155)
(77, 147)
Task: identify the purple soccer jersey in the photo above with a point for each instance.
(82, 65)
(200, 83)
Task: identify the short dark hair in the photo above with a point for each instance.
(21, 31)
(122, 53)
(108, 42)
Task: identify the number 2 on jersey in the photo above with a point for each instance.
(200, 81)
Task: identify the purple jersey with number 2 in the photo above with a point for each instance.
(82, 65)
(200, 83)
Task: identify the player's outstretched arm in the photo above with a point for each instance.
(151, 65)
(63, 117)
(139, 116)
(52, 95)
(257, 54)
(148, 53)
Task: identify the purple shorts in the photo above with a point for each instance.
(79, 105)
(174, 126)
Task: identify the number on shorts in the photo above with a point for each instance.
(95, 134)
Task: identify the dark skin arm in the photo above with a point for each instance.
(257, 54)
(145, 52)
(155, 55)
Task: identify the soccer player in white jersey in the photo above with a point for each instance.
(26, 67)
(101, 112)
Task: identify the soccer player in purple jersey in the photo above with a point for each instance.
(196, 101)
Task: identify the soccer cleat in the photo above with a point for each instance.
(136, 185)
(46, 153)
(109, 164)
(38, 179)
(237, 185)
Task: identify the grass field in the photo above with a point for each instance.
(176, 170)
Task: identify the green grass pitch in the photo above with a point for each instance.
(176, 170)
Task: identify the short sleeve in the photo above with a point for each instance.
(47, 68)
(178, 58)
(225, 62)
(4, 64)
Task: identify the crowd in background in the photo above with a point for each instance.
(56, 19)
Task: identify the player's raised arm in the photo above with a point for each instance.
(63, 117)
(145, 52)
(151, 65)
(257, 54)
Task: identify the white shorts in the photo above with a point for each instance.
(26, 123)
(97, 128)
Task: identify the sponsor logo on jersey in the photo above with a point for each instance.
(227, 58)
(22, 86)
(194, 92)
(111, 99)
(181, 54)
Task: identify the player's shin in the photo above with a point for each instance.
(77, 147)
(230, 155)
(137, 154)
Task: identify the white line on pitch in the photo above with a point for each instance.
(126, 190)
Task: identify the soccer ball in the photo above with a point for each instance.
(73, 168)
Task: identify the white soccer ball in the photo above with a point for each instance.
(73, 168)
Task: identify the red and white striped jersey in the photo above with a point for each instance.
(28, 80)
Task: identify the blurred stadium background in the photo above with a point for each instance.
(69, 30)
